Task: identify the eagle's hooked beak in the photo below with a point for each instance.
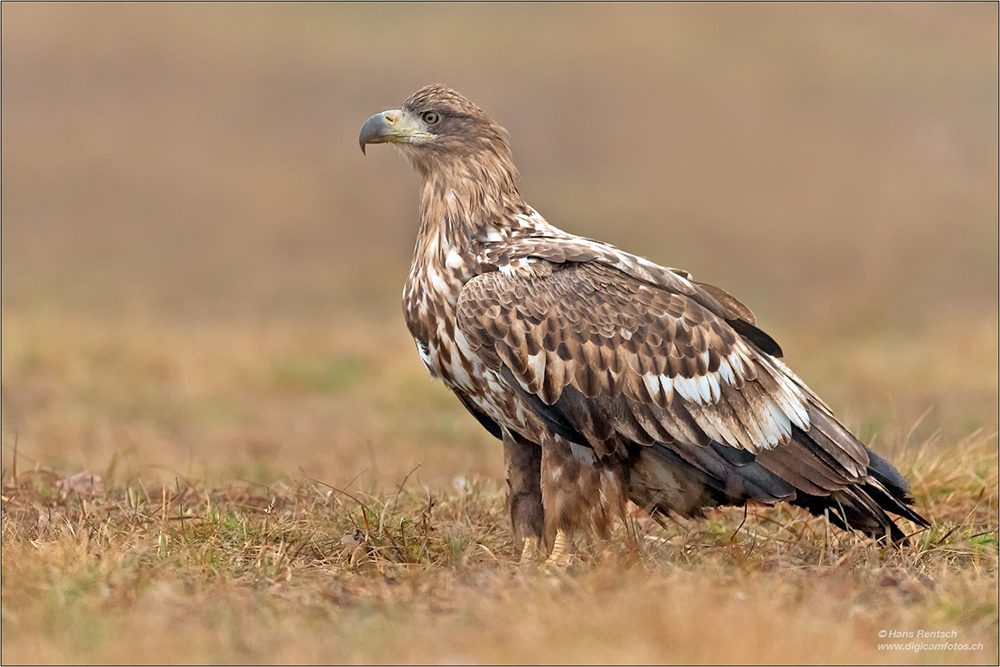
(392, 126)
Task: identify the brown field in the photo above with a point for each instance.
(219, 445)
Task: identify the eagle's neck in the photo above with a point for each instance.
(463, 204)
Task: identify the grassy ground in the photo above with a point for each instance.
(296, 571)
(219, 445)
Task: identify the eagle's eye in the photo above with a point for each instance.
(430, 117)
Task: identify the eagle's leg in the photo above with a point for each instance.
(580, 494)
(523, 460)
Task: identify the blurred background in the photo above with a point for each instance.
(201, 272)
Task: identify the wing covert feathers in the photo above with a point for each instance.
(672, 368)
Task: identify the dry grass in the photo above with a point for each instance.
(100, 570)
(201, 329)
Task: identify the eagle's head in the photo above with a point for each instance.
(436, 128)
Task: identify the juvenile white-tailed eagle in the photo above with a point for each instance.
(607, 377)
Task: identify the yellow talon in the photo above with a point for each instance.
(562, 552)
(529, 552)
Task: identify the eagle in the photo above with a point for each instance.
(607, 377)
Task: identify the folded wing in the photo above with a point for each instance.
(609, 359)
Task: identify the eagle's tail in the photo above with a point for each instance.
(864, 506)
(683, 478)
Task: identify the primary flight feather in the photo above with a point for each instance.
(607, 377)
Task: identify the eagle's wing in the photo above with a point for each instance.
(606, 358)
(569, 248)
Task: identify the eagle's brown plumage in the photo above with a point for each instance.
(608, 378)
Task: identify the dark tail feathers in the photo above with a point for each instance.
(682, 478)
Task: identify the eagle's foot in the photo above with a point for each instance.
(529, 552)
(562, 556)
